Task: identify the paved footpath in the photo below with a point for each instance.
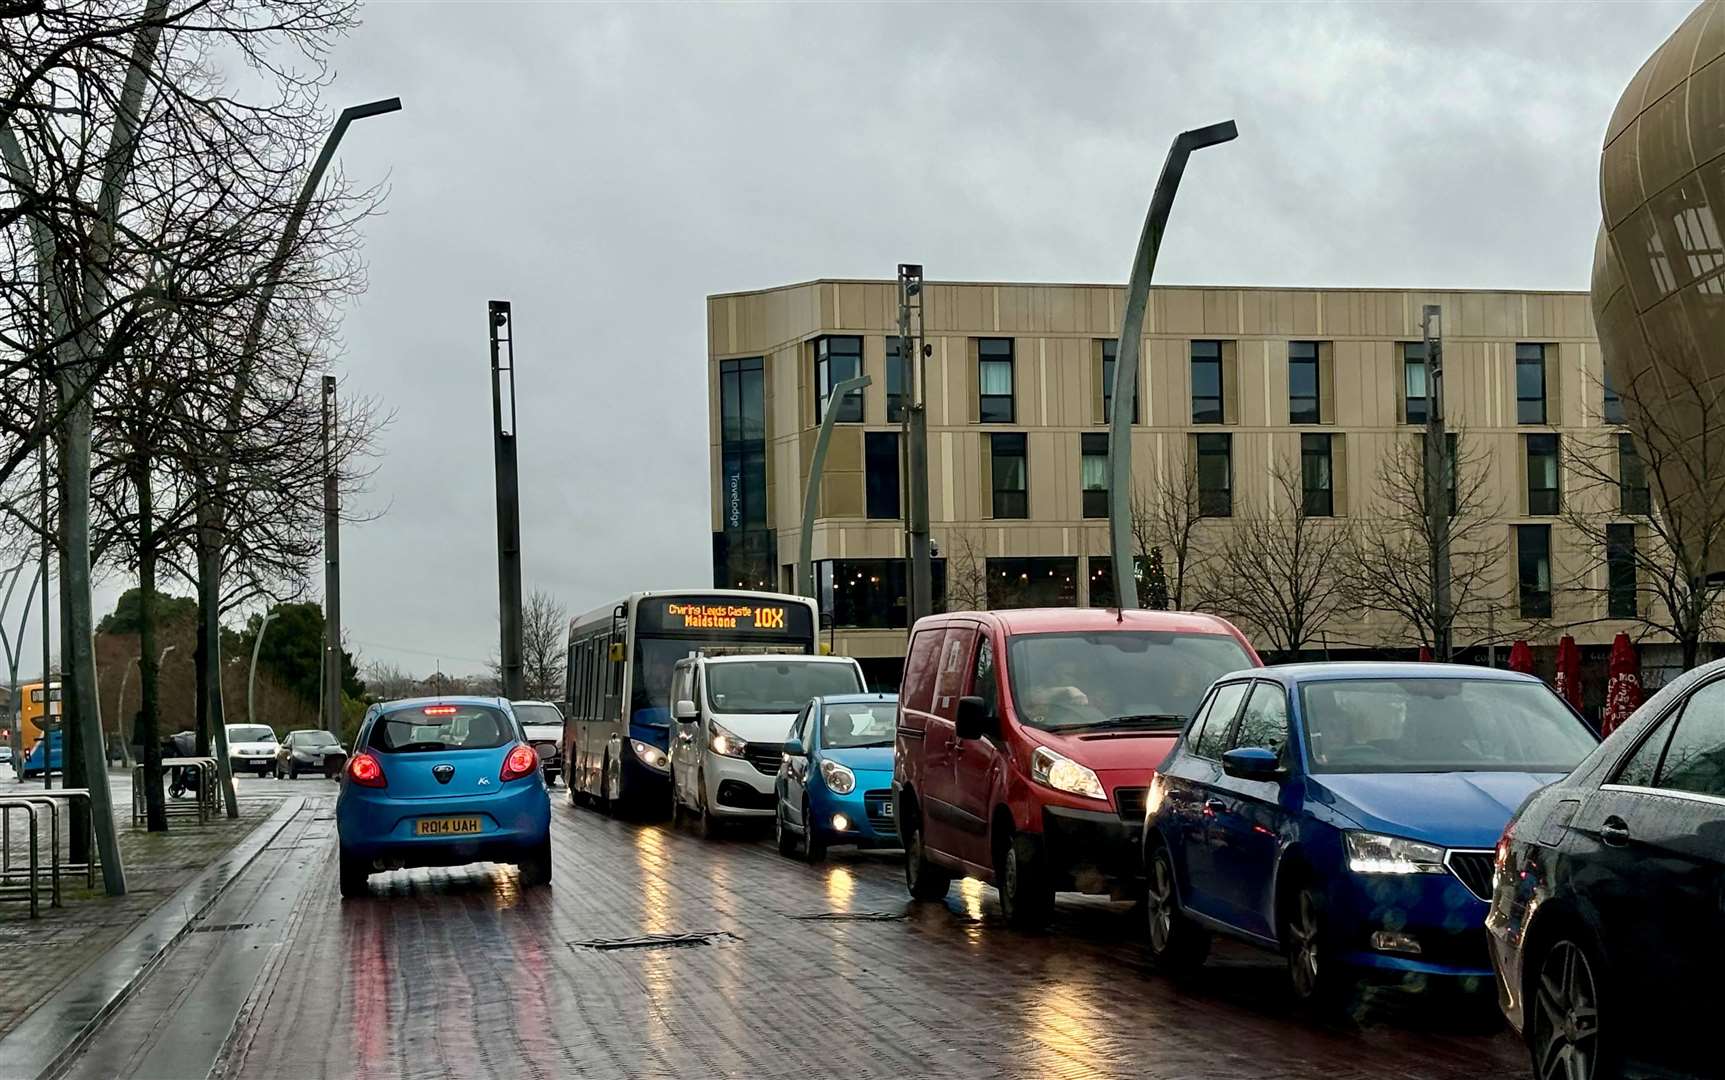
(38, 956)
(825, 970)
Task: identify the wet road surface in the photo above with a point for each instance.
(809, 971)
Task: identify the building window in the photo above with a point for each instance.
(994, 380)
(1110, 352)
(1612, 413)
(743, 548)
(1021, 583)
(1533, 556)
(1633, 496)
(1530, 384)
(838, 358)
(1011, 482)
(1216, 475)
(1303, 383)
(1317, 483)
(863, 594)
(897, 381)
(1093, 473)
(1620, 571)
(1206, 382)
(1449, 453)
(1414, 380)
(1542, 495)
(881, 469)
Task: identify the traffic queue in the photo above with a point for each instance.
(1434, 826)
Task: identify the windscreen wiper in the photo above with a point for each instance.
(1131, 720)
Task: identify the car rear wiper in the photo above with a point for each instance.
(1149, 721)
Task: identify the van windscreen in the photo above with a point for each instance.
(1142, 679)
(783, 685)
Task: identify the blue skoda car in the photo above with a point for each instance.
(835, 784)
(1346, 816)
(442, 782)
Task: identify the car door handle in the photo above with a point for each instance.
(1614, 831)
(1215, 806)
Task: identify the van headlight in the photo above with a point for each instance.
(725, 742)
(840, 780)
(1372, 853)
(1063, 774)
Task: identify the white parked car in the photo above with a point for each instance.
(251, 748)
(730, 716)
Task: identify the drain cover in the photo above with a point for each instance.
(655, 941)
(852, 916)
(221, 928)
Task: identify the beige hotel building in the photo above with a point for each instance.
(1233, 381)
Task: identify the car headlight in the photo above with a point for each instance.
(840, 780)
(650, 755)
(725, 742)
(1063, 774)
(1370, 853)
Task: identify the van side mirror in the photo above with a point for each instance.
(1253, 763)
(973, 720)
(685, 710)
(794, 748)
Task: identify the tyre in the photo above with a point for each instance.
(1177, 944)
(711, 827)
(1563, 1030)
(535, 865)
(924, 879)
(613, 797)
(279, 770)
(1026, 894)
(677, 812)
(814, 843)
(354, 875)
(788, 845)
(292, 770)
(1317, 981)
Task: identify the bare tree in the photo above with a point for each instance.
(966, 573)
(1388, 569)
(544, 632)
(1662, 481)
(1285, 568)
(1169, 515)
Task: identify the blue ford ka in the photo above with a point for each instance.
(835, 785)
(442, 782)
(1346, 816)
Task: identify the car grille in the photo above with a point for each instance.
(1130, 802)
(878, 805)
(765, 756)
(1474, 868)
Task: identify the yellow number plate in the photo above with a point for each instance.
(448, 826)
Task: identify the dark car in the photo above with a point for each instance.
(1607, 921)
(543, 723)
(312, 750)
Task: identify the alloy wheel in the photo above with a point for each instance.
(1303, 958)
(1160, 902)
(1568, 1015)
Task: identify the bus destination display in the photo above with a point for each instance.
(673, 616)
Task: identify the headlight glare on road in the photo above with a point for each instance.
(1063, 774)
(726, 742)
(650, 755)
(839, 779)
(1371, 853)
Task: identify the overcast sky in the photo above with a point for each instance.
(606, 168)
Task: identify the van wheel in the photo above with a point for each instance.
(1026, 895)
(355, 873)
(711, 827)
(925, 880)
(1177, 944)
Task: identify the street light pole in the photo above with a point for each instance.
(1126, 353)
(1437, 468)
(252, 679)
(333, 667)
(812, 486)
(920, 581)
(500, 317)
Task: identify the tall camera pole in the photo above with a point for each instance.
(1437, 469)
(508, 498)
(332, 665)
(1126, 353)
(919, 599)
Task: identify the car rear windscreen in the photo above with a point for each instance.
(432, 728)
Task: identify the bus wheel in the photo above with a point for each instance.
(614, 803)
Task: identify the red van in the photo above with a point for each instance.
(1026, 740)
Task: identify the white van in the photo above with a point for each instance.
(730, 716)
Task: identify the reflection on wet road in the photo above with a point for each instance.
(462, 973)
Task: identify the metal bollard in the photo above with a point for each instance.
(9, 891)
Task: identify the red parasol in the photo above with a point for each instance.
(1569, 671)
(1425, 654)
(1521, 658)
(1622, 686)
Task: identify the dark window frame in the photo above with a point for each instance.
(1207, 409)
(1110, 357)
(1611, 404)
(897, 380)
(1317, 501)
(1544, 501)
(987, 403)
(1095, 498)
(1621, 599)
(1413, 405)
(1304, 408)
(877, 482)
(1015, 502)
(1216, 502)
(824, 381)
(1535, 603)
(1530, 410)
(1632, 497)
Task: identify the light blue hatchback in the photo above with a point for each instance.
(442, 782)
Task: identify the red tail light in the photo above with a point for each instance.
(521, 762)
(366, 771)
